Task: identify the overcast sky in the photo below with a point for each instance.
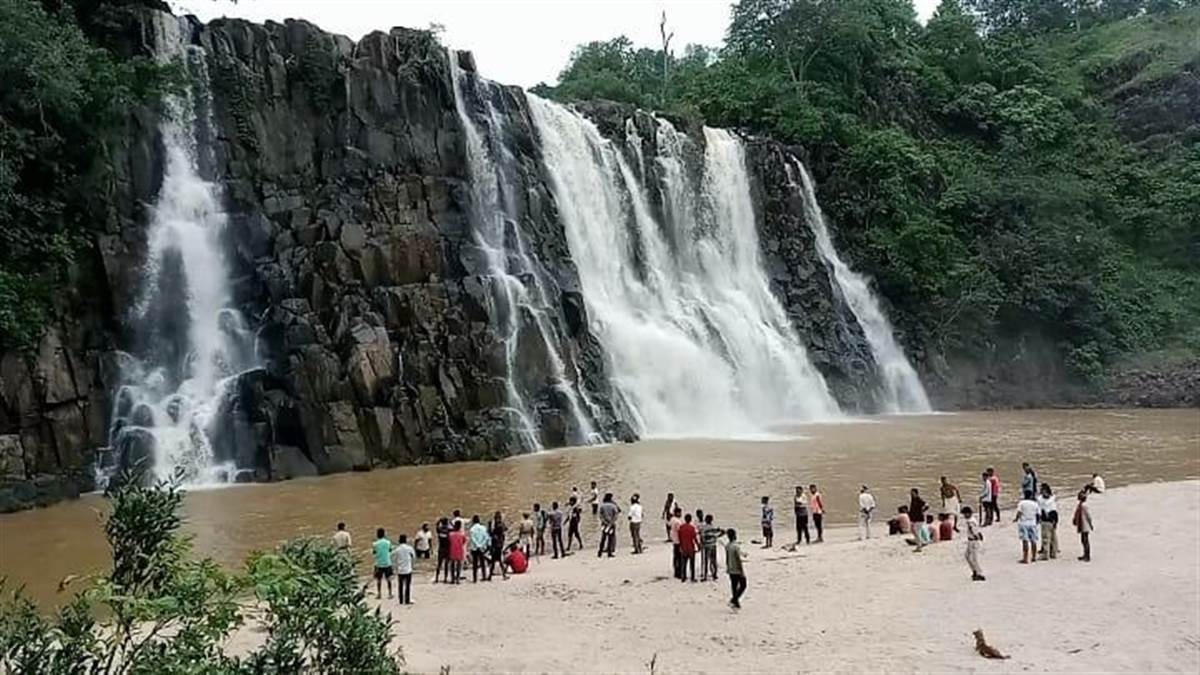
(515, 41)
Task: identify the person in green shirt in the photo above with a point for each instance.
(381, 553)
(733, 566)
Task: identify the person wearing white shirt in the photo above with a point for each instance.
(1027, 523)
(403, 556)
(866, 506)
(424, 541)
(1097, 485)
(635, 522)
(341, 538)
(1048, 516)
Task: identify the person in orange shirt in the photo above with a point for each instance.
(816, 508)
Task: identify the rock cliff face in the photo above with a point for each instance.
(350, 242)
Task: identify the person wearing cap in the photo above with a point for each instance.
(866, 506)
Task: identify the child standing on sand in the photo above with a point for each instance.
(1083, 525)
(768, 522)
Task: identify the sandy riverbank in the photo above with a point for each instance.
(842, 605)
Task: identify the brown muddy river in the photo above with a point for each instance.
(725, 477)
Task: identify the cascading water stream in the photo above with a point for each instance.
(902, 388)
(697, 344)
(193, 341)
(514, 279)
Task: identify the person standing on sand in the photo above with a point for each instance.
(1083, 525)
(866, 507)
(709, 534)
(525, 534)
(595, 502)
(635, 522)
(457, 544)
(1027, 523)
(341, 538)
(800, 506)
(994, 484)
(608, 512)
(768, 522)
(443, 551)
(1029, 479)
(574, 515)
(1048, 515)
(423, 544)
(689, 543)
(457, 518)
(539, 521)
(951, 500)
(673, 532)
(381, 551)
(480, 543)
(974, 543)
(556, 525)
(816, 506)
(668, 511)
(985, 499)
(403, 557)
(733, 566)
(916, 506)
(498, 532)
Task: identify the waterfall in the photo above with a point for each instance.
(902, 388)
(193, 342)
(697, 344)
(516, 281)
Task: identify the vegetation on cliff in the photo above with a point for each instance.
(62, 102)
(164, 611)
(1018, 176)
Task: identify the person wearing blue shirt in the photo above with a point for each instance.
(480, 541)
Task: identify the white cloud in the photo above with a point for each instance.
(515, 41)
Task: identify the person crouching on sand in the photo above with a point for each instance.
(733, 566)
(1083, 525)
(900, 523)
(974, 543)
(515, 560)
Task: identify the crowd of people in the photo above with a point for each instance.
(494, 543)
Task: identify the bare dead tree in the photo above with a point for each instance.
(666, 55)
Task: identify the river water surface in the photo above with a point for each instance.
(725, 477)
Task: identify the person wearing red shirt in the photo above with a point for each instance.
(515, 560)
(458, 552)
(945, 527)
(689, 543)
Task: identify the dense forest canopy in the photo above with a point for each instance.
(1011, 171)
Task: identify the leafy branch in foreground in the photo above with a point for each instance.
(166, 612)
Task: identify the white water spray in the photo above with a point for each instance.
(902, 388)
(171, 395)
(514, 279)
(697, 344)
